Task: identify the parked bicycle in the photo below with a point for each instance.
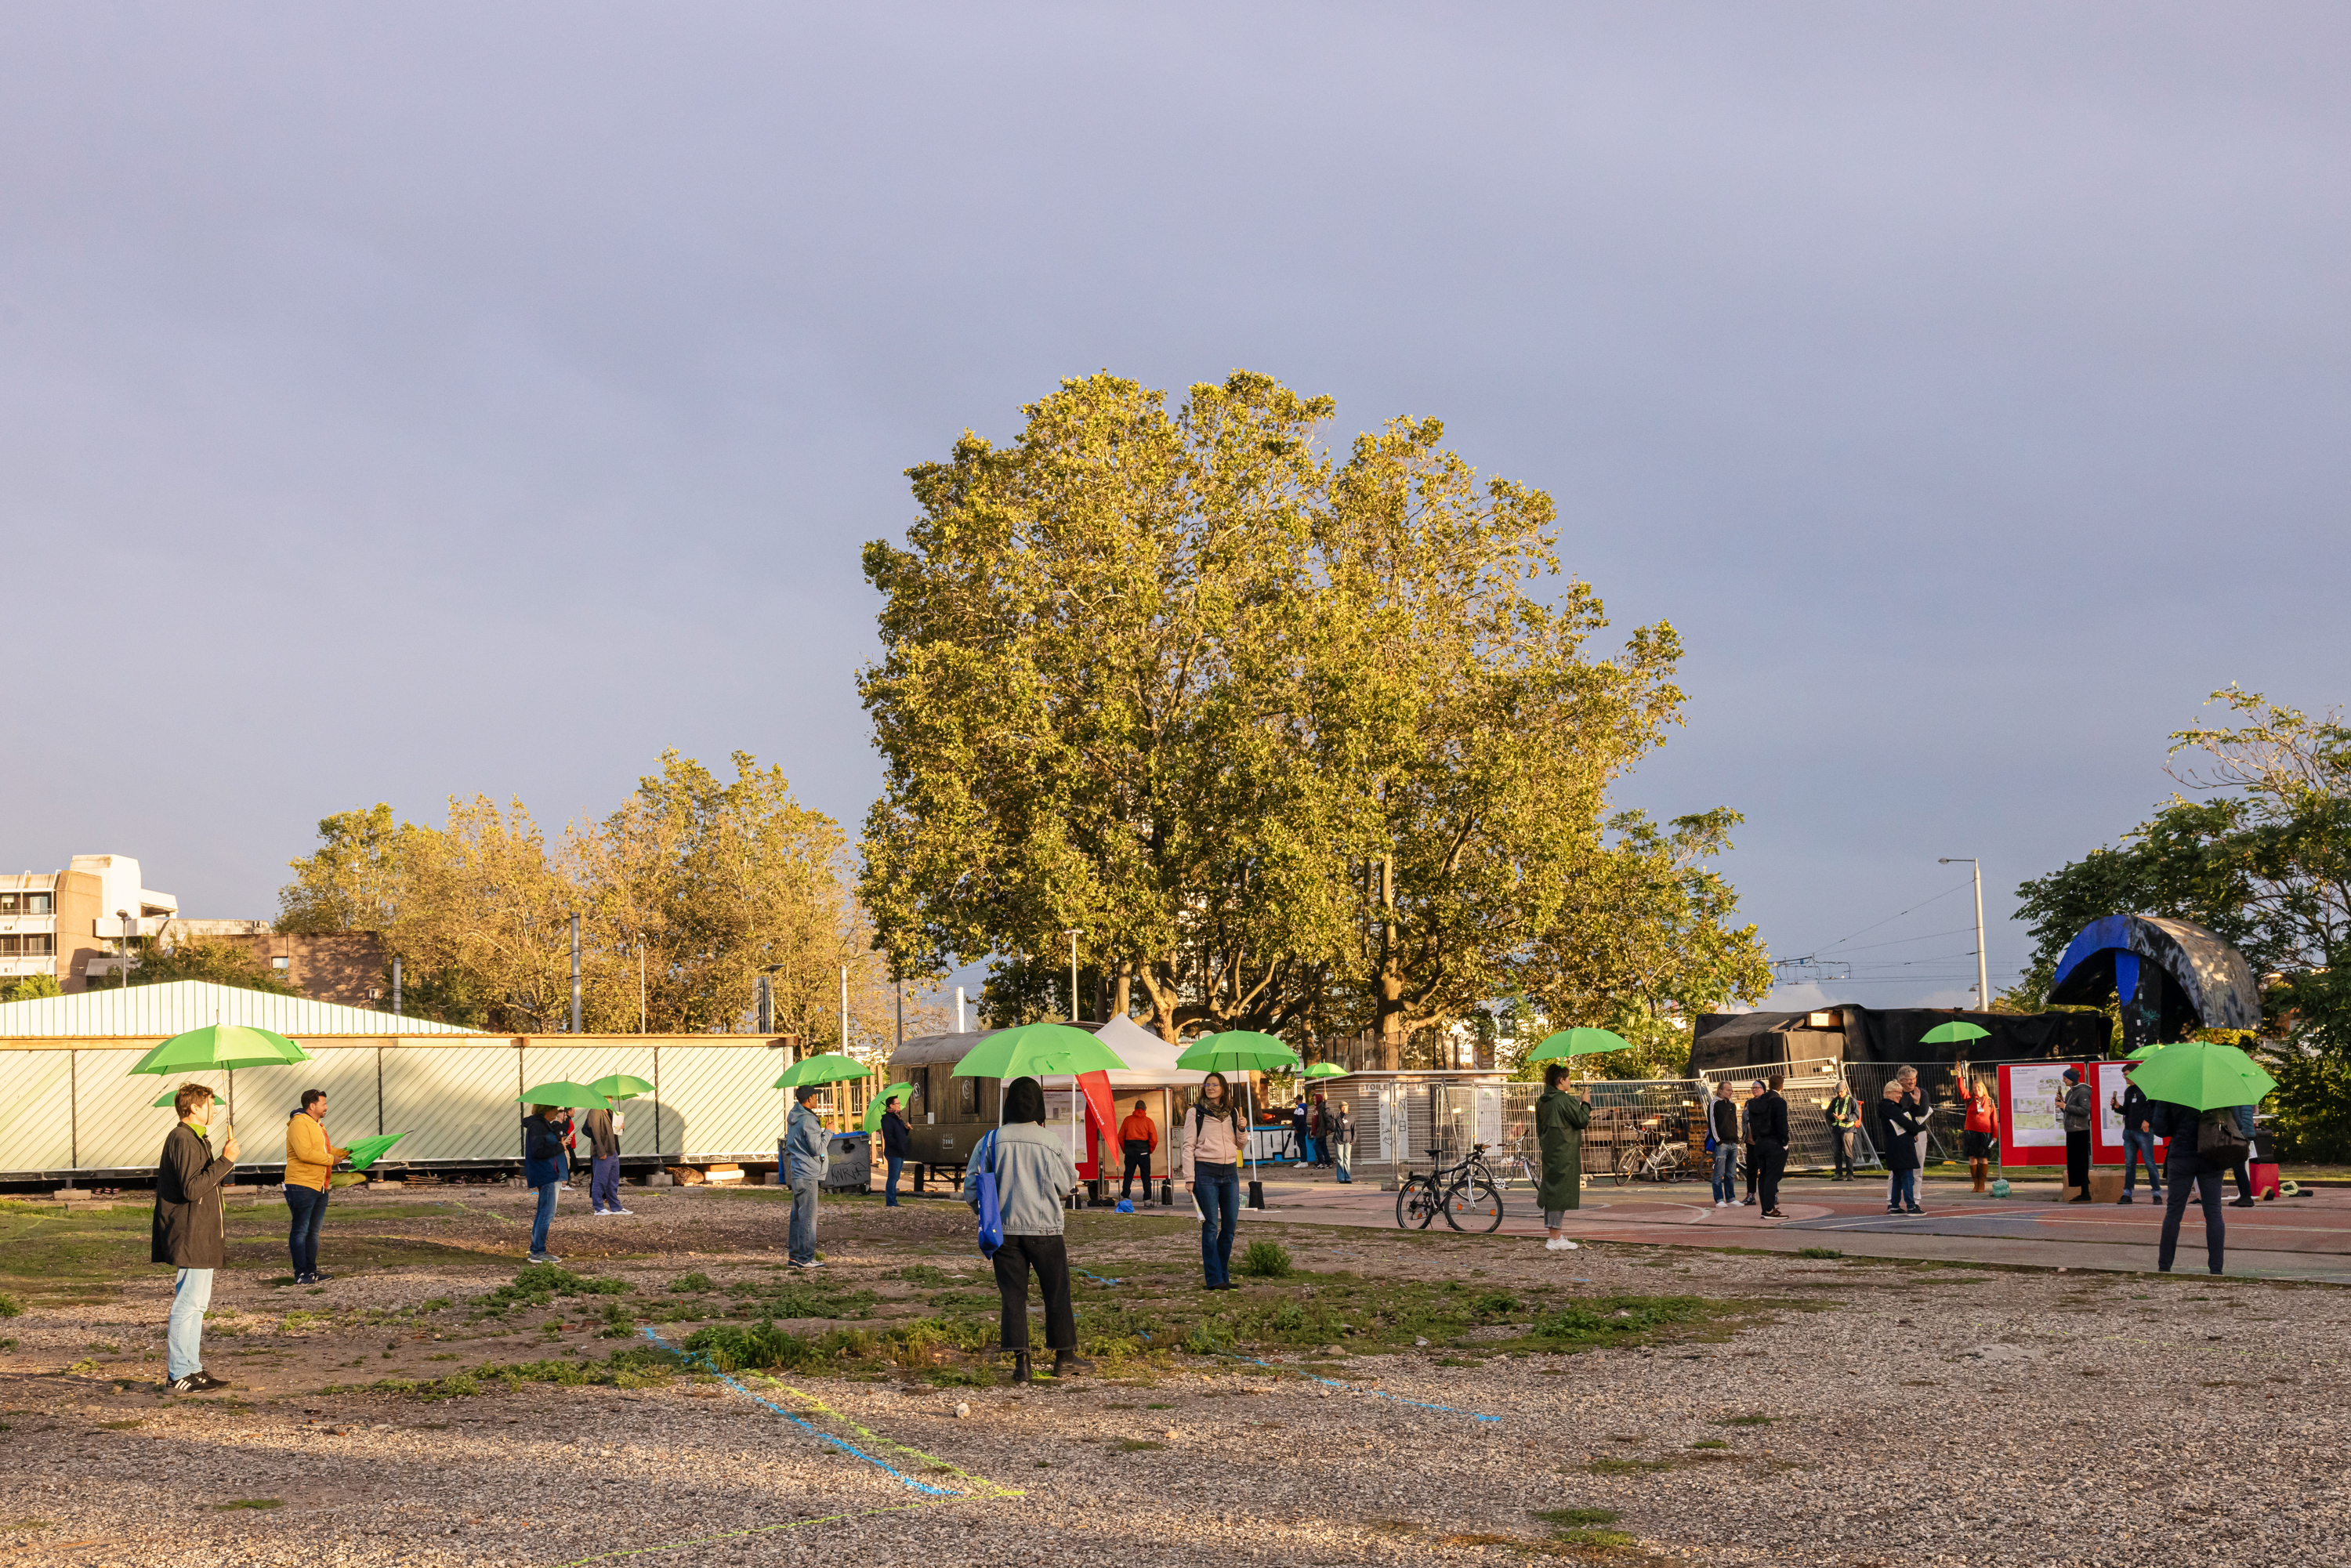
(1662, 1154)
(1466, 1194)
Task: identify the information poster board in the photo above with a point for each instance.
(2031, 1131)
(2106, 1141)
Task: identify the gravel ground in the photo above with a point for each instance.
(1855, 1413)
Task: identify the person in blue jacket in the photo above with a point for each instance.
(545, 1168)
(898, 1143)
(804, 1146)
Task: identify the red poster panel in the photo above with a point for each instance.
(2031, 1131)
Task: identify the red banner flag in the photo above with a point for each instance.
(1098, 1116)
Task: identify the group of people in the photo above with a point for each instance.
(1760, 1129)
(1325, 1134)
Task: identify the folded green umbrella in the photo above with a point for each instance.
(1237, 1050)
(621, 1086)
(1578, 1042)
(1037, 1050)
(831, 1068)
(564, 1093)
(1325, 1070)
(2202, 1076)
(904, 1092)
(221, 1047)
(365, 1152)
(1953, 1032)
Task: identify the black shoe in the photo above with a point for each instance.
(2241, 1203)
(1020, 1367)
(1893, 1208)
(205, 1382)
(2083, 1199)
(1915, 1209)
(318, 1278)
(187, 1385)
(1773, 1213)
(1070, 1364)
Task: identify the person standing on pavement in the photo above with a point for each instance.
(1722, 1119)
(2076, 1105)
(804, 1146)
(1767, 1129)
(1212, 1175)
(1033, 1172)
(545, 1168)
(603, 1126)
(2243, 1168)
(2185, 1171)
(1298, 1131)
(1903, 1116)
(1980, 1132)
(1746, 1131)
(1560, 1120)
(1138, 1138)
(1343, 1143)
(2138, 1137)
(898, 1143)
(1844, 1112)
(311, 1161)
(191, 1232)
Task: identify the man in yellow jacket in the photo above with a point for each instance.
(308, 1158)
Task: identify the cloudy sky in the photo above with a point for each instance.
(397, 401)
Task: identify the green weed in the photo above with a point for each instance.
(538, 1285)
(249, 1502)
(691, 1284)
(10, 1307)
(1571, 1517)
(1818, 1252)
(1266, 1260)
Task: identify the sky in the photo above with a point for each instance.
(405, 401)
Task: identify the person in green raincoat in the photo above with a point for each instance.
(1560, 1121)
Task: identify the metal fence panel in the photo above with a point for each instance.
(37, 1110)
(118, 1127)
(266, 1097)
(454, 1102)
(720, 1101)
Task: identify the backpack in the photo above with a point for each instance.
(2219, 1142)
(984, 1197)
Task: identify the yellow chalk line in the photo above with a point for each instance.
(995, 1489)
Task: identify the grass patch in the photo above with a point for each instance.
(10, 1307)
(1709, 1443)
(1818, 1252)
(1566, 1518)
(1137, 1444)
(538, 1285)
(926, 1274)
(121, 1426)
(1627, 1467)
(249, 1502)
(640, 1366)
(1621, 1320)
(691, 1284)
(1747, 1420)
(1266, 1260)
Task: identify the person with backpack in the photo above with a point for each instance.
(898, 1143)
(2075, 1107)
(1212, 1175)
(2138, 1138)
(2203, 1145)
(1032, 1173)
(1722, 1120)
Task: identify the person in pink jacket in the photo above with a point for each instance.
(1212, 1173)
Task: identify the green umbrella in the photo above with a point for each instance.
(831, 1068)
(221, 1047)
(2203, 1077)
(365, 1152)
(873, 1112)
(1325, 1070)
(1579, 1043)
(1037, 1050)
(562, 1092)
(1237, 1050)
(621, 1086)
(1952, 1033)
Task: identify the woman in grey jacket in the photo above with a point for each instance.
(1033, 1174)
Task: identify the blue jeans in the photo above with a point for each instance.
(1902, 1188)
(2139, 1147)
(803, 1236)
(310, 1209)
(546, 1215)
(604, 1185)
(1218, 1188)
(1725, 1172)
(890, 1188)
(191, 1294)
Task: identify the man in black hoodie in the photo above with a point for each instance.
(191, 1233)
(1767, 1130)
(898, 1143)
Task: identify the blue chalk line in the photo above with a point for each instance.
(845, 1446)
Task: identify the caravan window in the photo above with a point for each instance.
(968, 1096)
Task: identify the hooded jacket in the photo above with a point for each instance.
(191, 1225)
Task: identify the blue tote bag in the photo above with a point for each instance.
(983, 1196)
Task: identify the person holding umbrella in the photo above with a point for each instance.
(804, 1146)
(543, 1170)
(2195, 1092)
(898, 1143)
(310, 1160)
(1033, 1169)
(1212, 1175)
(604, 1125)
(192, 1232)
(1560, 1121)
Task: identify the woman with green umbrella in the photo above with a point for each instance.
(2201, 1098)
(1560, 1120)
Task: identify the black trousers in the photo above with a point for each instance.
(1841, 1150)
(1754, 1166)
(1774, 1159)
(1049, 1256)
(2182, 1168)
(2077, 1160)
(1138, 1163)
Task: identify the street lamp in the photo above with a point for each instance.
(1073, 934)
(1983, 969)
(122, 951)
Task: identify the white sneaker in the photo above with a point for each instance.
(619, 1211)
(1565, 1245)
(1550, 1243)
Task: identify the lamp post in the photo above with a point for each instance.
(1983, 965)
(122, 951)
(1073, 935)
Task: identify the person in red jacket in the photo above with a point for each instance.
(1139, 1138)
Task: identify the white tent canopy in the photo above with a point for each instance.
(1149, 1061)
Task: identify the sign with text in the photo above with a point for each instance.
(2031, 1133)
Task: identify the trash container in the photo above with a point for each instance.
(849, 1162)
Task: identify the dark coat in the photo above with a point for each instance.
(2136, 1112)
(897, 1138)
(542, 1152)
(1722, 1117)
(603, 1142)
(1904, 1118)
(1767, 1119)
(1560, 1121)
(191, 1226)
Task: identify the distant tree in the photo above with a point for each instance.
(209, 959)
(31, 987)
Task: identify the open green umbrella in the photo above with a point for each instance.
(563, 1092)
(365, 1152)
(1038, 1050)
(1325, 1070)
(2202, 1076)
(873, 1112)
(1952, 1033)
(1578, 1042)
(1237, 1050)
(621, 1086)
(831, 1068)
(223, 1047)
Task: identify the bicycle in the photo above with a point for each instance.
(1462, 1193)
(1661, 1155)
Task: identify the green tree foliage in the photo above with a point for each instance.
(204, 958)
(1296, 742)
(31, 987)
(697, 885)
(2261, 854)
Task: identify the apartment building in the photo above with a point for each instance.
(69, 924)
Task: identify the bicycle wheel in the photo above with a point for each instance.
(1473, 1206)
(1416, 1205)
(1677, 1165)
(1628, 1163)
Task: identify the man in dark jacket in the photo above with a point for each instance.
(2138, 1139)
(1767, 1129)
(898, 1143)
(1297, 1128)
(1722, 1119)
(191, 1232)
(603, 1128)
(2181, 1168)
(2076, 1107)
